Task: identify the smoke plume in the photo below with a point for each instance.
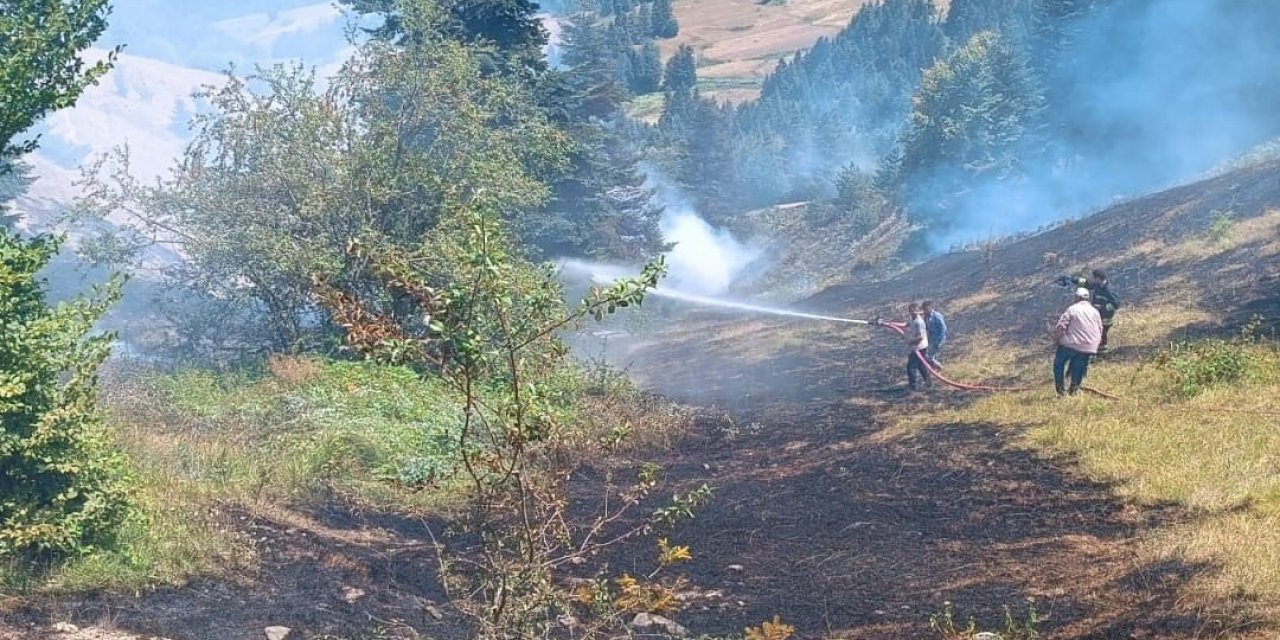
(1147, 94)
(703, 260)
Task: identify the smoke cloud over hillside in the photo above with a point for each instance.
(703, 260)
(1147, 94)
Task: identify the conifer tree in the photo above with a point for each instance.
(644, 20)
(681, 72)
(664, 20)
(600, 207)
(976, 110)
(647, 69)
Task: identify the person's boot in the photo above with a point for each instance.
(1060, 391)
(1073, 390)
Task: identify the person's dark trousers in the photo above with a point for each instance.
(1106, 328)
(1068, 361)
(914, 367)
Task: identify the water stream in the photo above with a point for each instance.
(742, 306)
(604, 274)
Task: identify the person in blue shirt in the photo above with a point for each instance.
(936, 324)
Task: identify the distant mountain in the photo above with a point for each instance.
(145, 102)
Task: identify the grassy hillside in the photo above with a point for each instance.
(1165, 527)
(740, 41)
(792, 269)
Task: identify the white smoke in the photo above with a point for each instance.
(704, 260)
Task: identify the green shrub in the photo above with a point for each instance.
(1220, 225)
(948, 627)
(62, 486)
(1197, 365)
(328, 422)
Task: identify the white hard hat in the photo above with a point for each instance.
(1082, 292)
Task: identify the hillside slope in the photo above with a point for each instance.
(1209, 247)
(1213, 245)
(824, 487)
(740, 41)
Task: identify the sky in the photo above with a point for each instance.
(210, 35)
(171, 49)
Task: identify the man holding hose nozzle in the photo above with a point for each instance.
(1077, 334)
(917, 336)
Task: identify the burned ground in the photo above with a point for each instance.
(819, 517)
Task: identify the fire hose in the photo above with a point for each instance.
(901, 329)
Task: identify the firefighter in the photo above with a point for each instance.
(1100, 297)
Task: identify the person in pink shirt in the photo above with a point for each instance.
(1077, 334)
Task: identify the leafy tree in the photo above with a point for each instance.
(13, 183)
(663, 20)
(492, 336)
(971, 117)
(681, 72)
(61, 481)
(280, 177)
(41, 68)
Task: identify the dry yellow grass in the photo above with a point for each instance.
(1231, 235)
(1217, 454)
(744, 39)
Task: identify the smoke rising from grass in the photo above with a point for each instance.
(703, 260)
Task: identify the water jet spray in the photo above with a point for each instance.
(742, 306)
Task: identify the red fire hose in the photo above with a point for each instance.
(901, 329)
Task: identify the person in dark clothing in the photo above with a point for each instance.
(1105, 302)
(936, 324)
(1101, 297)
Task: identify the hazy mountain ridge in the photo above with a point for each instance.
(146, 102)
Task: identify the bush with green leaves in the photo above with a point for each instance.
(62, 486)
(1198, 365)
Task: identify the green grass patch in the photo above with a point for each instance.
(293, 431)
(646, 107)
(207, 447)
(727, 82)
(302, 425)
